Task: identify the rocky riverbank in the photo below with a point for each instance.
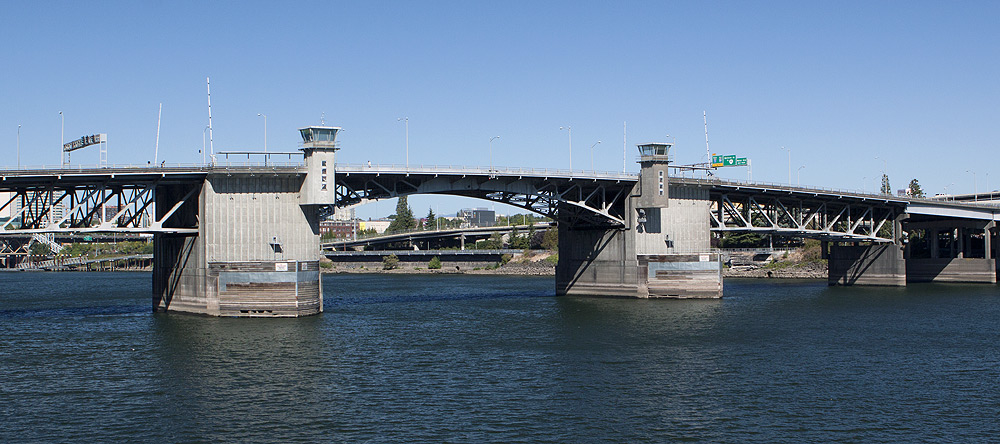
(810, 270)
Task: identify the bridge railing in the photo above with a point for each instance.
(126, 167)
(480, 170)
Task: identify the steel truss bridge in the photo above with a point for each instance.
(145, 199)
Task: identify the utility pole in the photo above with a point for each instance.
(570, 129)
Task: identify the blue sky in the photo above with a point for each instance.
(838, 83)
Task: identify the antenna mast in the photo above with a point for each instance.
(624, 144)
(211, 143)
(708, 152)
(156, 151)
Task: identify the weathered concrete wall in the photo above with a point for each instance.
(244, 215)
(681, 276)
(880, 264)
(687, 220)
(971, 270)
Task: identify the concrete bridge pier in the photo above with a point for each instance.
(663, 250)
(255, 253)
(875, 264)
(879, 264)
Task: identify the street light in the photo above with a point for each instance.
(798, 177)
(789, 164)
(885, 177)
(18, 146)
(592, 169)
(491, 152)
(975, 186)
(406, 120)
(62, 136)
(570, 130)
(265, 130)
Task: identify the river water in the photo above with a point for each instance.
(452, 358)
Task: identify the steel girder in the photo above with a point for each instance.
(576, 202)
(105, 205)
(799, 215)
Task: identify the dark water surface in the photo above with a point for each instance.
(481, 358)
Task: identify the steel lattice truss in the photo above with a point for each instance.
(574, 201)
(804, 215)
(103, 203)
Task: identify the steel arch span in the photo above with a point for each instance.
(595, 200)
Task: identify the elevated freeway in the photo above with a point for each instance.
(412, 237)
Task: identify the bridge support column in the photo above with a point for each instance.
(256, 252)
(969, 260)
(877, 264)
(663, 253)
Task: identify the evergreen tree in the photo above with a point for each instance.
(915, 190)
(431, 220)
(886, 189)
(403, 219)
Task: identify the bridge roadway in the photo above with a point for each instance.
(589, 198)
(215, 226)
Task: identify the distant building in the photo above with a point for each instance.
(478, 217)
(6, 212)
(35, 208)
(338, 229)
(379, 225)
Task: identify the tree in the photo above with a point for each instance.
(434, 264)
(550, 240)
(431, 219)
(390, 262)
(915, 190)
(40, 249)
(886, 189)
(403, 219)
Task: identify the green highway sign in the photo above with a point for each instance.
(731, 160)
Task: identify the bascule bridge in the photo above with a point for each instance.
(243, 239)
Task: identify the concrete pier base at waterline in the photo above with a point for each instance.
(878, 264)
(255, 254)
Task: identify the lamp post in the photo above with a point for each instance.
(975, 186)
(570, 130)
(789, 164)
(885, 177)
(62, 136)
(265, 130)
(491, 152)
(18, 146)
(406, 120)
(798, 177)
(864, 185)
(592, 169)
